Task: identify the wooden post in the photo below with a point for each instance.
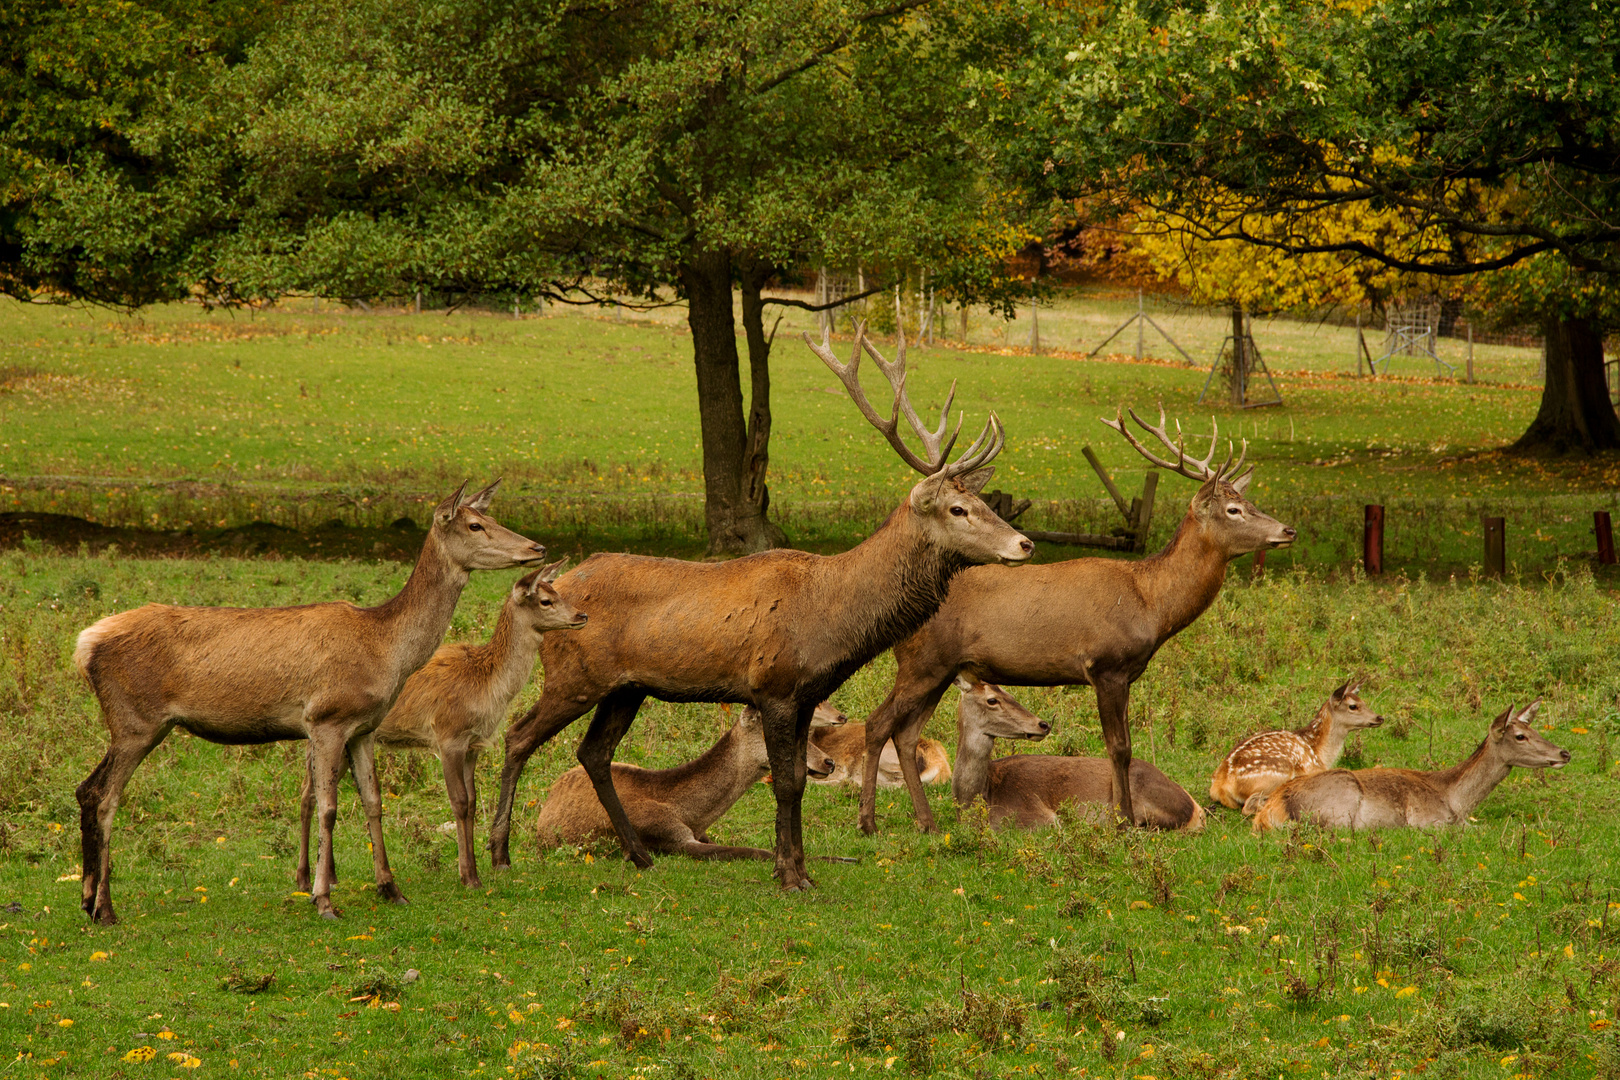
(964, 323)
(1358, 345)
(1034, 328)
(1144, 513)
(1140, 313)
(1372, 540)
(1470, 354)
(1495, 546)
(1240, 364)
(1605, 537)
(1260, 563)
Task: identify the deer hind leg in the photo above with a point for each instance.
(363, 760)
(905, 744)
(903, 710)
(554, 711)
(98, 804)
(306, 811)
(1113, 700)
(458, 784)
(613, 718)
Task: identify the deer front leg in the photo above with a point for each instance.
(1113, 700)
(328, 755)
(879, 729)
(787, 737)
(553, 712)
(613, 718)
(363, 759)
(905, 744)
(458, 763)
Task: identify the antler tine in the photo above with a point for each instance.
(895, 372)
(989, 443)
(1193, 470)
(849, 375)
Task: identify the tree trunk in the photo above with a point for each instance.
(1576, 413)
(734, 458)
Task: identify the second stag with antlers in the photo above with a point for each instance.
(779, 630)
(1092, 621)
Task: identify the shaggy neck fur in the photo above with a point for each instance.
(1180, 582)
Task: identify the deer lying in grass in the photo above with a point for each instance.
(846, 746)
(328, 673)
(1261, 763)
(1027, 789)
(1094, 620)
(453, 705)
(671, 809)
(1397, 798)
(780, 630)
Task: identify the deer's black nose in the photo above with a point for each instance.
(1044, 727)
(1026, 546)
(1290, 532)
(1565, 754)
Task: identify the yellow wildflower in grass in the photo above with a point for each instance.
(1406, 992)
(140, 1055)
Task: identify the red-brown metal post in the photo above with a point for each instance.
(1372, 541)
(1260, 563)
(1605, 536)
(1495, 546)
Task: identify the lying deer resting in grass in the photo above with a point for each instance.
(328, 673)
(846, 746)
(1027, 789)
(1095, 621)
(454, 704)
(1261, 763)
(1397, 798)
(779, 630)
(671, 809)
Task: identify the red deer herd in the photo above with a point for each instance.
(941, 583)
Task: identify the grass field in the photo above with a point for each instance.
(1478, 952)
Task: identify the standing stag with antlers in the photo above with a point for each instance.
(1093, 621)
(780, 630)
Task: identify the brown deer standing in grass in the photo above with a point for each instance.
(1093, 620)
(1261, 763)
(846, 746)
(779, 630)
(1400, 798)
(453, 705)
(671, 809)
(1026, 790)
(324, 672)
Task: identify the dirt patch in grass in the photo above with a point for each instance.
(398, 542)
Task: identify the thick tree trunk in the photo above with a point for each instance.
(1576, 414)
(734, 501)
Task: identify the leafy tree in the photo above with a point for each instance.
(1490, 128)
(473, 147)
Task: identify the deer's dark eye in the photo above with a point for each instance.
(1234, 510)
(1353, 708)
(958, 511)
(991, 701)
(1521, 737)
(545, 603)
(474, 526)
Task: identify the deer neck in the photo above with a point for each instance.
(884, 589)
(970, 775)
(1468, 784)
(417, 617)
(706, 788)
(1181, 581)
(1324, 736)
(511, 653)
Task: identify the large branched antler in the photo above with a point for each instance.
(1196, 469)
(984, 448)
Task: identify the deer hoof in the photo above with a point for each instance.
(105, 916)
(323, 904)
(390, 892)
(642, 860)
(472, 883)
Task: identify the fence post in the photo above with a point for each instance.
(1259, 563)
(1372, 540)
(1470, 354)
(1605, 537)
(1495, 546)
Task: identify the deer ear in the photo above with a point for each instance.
(445, 512)
(926, 494)
(1528, 713)
(1241, 484)
(963, 683)
(1343, 691)
(550, 571)
(1499, 726)
(480, 501)
(975, 480)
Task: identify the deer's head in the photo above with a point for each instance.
(538, 605)
(1220, 506)
(828, 715)
(945, 503)
(987, 709)
(475, 541)
(1348, 710)
(1519, 743)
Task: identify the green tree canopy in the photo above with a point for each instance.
(1491, 126)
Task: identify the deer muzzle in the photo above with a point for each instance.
(1289, 533)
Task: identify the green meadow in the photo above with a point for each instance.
(1081, 951)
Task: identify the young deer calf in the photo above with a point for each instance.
(328, 673)
(453, 705)
(1396, 798)
(671, 809)
(846, 746)
(1260, 764)
(1026, 790)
